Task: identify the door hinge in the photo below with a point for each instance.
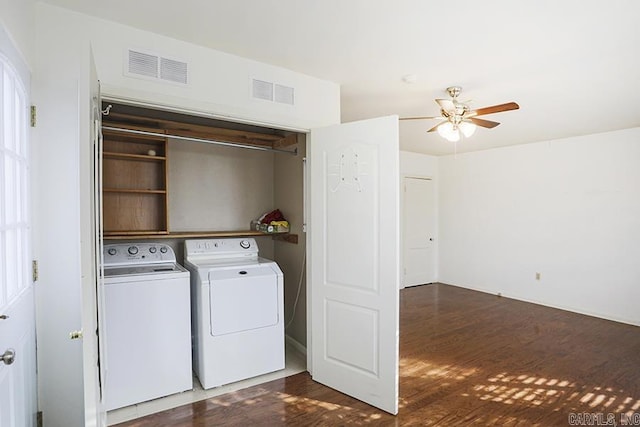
(33, 116)
(39, 419)
(74, 335)
(34, 270)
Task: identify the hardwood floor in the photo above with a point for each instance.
(467, 358)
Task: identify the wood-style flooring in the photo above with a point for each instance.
(467, 358)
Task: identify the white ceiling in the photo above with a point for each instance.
(572, 65)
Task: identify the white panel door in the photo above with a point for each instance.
(354, 259)
(93, 289)
(18, 381)
(418, 253)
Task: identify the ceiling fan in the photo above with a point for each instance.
(457, 118)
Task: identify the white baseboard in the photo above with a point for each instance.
(296, 344)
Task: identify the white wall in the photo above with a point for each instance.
(62, 50)
(17, 17)
(416, 164)
(219, 83)
(568, 209)
(288, 184)
(56, 186)
(217, 188)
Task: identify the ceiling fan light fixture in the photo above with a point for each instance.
(467, 129)
(449, 132)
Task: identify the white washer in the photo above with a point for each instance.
(147, 324)
(237, 310)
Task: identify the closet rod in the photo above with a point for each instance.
(206, 141)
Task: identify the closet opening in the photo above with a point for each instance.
(168, 177)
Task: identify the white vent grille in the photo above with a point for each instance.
(172, 70)
(144, 64)
(273, 92)
(283, 94)
(262, 90)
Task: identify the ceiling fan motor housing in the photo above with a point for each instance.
(454, 91)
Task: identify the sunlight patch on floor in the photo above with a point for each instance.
(308, 404)
(557, 393)
(420, 368)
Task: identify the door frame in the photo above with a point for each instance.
(433, 180)
(93, 404)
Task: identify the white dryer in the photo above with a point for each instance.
(237, 310)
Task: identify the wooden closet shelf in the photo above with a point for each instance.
(134, 235)
(291, 238)
(126, 156)
(133, 190)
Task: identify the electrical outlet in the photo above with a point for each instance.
(537, 276)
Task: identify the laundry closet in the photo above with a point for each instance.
(169, 178)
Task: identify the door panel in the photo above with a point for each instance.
(354, 261)
(18, 380)
(18, 404)
(354, 351)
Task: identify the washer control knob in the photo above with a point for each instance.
(163, 249)
(111, 251)
(245, 244)
(153, 249)
(133, 250)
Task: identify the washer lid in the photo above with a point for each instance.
(135, 270)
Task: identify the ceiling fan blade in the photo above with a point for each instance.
(420, 118)
(484, 123)
(433, 129)
(495, 109)
(446, 104)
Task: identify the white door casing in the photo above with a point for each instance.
(418, 224)
(18, 376)
(354, 259)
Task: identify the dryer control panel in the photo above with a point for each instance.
(221, 248)
(119, 254)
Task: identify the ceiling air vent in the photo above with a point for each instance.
(173, 70)
(262, 90)
(284, 94)
(145, 64)
(273, 92)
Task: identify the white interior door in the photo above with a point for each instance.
(18, 380)
(93, 292)
(418, 253)
(354, 259)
